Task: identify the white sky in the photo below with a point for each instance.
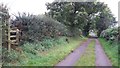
(38, 6)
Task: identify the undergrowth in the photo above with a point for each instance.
(47, 52)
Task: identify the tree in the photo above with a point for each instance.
(104, 19)
(81, 15)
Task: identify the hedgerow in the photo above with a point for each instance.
(38, 27)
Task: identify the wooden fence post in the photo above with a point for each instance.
(9, 42)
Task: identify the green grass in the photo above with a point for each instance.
(49, 57)
(56, 54)
(88, 58)
(111, 49)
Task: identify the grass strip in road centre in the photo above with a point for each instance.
(88, 58)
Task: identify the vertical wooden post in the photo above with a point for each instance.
(17, 35)
(6, 28)
(9, 43)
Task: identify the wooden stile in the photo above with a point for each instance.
(6, 32)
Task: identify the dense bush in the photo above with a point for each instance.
(110, 34)
(36, 28)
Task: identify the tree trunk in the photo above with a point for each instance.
(99, 32)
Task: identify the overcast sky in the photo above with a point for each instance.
(38, 6)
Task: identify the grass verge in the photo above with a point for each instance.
(56, 54)
(88, 58)
(47, 54)
(111, 49)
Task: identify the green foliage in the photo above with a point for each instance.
(110, 34)
(61, 40)
(45, 44)
(33, 55)
(30, 51)
(37, 28)
(111, 50)
(9, 57)
(53, 55)
(29, 48)
(81, 15)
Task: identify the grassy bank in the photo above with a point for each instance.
(111, 49)
(53, 52)
(88, 58)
